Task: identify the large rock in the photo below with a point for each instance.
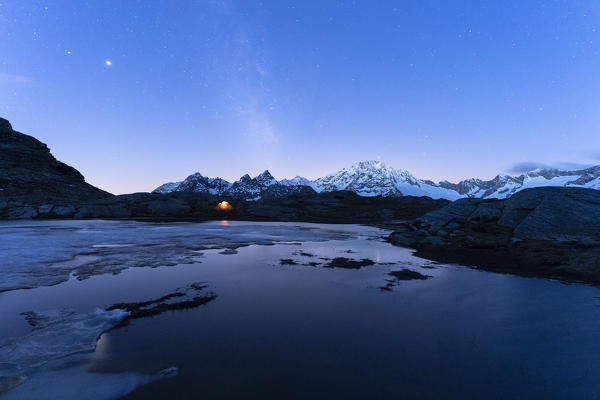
(487, 211)
(554, 213)
(459, 210)
(547, 213)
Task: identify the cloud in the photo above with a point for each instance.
(11, 79)
(526, 166)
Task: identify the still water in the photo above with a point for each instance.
(281, 331)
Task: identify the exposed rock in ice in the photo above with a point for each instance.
(182, 298)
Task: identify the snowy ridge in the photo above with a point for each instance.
(374, 178)
(195, 183)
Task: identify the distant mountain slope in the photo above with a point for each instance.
(374, 178)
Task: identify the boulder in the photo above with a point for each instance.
(24, 212)
(64, 211)
(459, 210)
(401, 239)
(45, 208)
(487, 211)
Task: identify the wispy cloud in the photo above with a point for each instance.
(12, 79)
(526, 166)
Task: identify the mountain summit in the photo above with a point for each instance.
(374, 178)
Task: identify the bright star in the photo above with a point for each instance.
(108, 63)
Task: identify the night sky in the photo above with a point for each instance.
(137, 93)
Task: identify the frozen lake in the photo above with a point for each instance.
(277, 331)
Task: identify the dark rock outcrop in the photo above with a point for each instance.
(31, 177)
(549, 231)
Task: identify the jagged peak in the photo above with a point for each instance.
(503, 177)
(265, 174)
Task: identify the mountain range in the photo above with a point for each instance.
(374, 178)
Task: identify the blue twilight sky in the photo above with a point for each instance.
(444, 89)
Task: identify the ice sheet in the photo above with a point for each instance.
(44, 253)
(55, 334)
(76, 382)
(52, 361)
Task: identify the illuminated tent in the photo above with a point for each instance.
(224, 206)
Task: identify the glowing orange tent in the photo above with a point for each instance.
(224, 206)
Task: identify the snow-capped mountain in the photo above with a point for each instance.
(246, 187)
(503, 186)
(250, 188)
(196, 183)
(374, 178)
(297, 181)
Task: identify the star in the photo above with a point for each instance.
(108, 63)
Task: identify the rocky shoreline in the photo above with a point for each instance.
(551, 232)
(331, 207)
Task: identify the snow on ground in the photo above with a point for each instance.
(428, 190)
(593, 184)
(531, 182)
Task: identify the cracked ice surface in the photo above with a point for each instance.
(44, 253)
